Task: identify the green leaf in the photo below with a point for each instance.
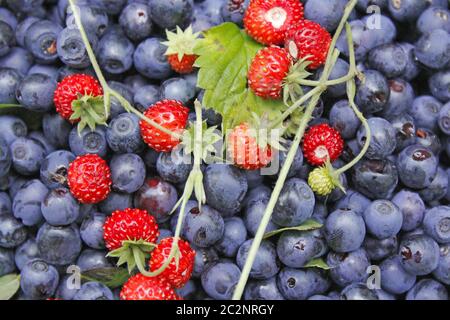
(9, 284)
(110, 276)
(317, 263)
(225, 54)
(306, 226)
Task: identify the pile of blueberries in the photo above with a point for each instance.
(393, 220)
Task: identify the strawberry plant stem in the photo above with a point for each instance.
(331, 59)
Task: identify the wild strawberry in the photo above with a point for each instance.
(180, 49)
(323, 180)
(129, 225)
(77, 97)
(267, 72)
(322, 142)
(172, 115)
(89, 178)
(267, 20)
(140, 287)
(308, 40)
(244, 150)
(180, 268)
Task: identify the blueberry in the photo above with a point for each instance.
(67, 288)
(35, 92)
(27, 156)
(149, 59)
(434, 18)
(56, 130)
(383, 140)
(295, 204)
(59, 207)
(40, 40)
(225, 188)
(125, 91)
(362, 42)
(259, 192)
(262, 290)
(380, 249)
(405, 130)
(433, 48)
(358, 291)
(383, 219)
(24, 6)
(203, 226)
(253, 214)
(157, 197)
(201, 22)
(204, 257)
(27, 202)
(71, 49)
(91, 230)
(373, 92)
(39, 137)
(169, 15)
(116, 201)
(234, 10)
(136, 21)
(234, 236)
(412, 207)
(92, 259)
(428, 289)
(406, 10)
(22, 29)
(390, 59)
(6, 261)
(419, 254)
(425, 111)
(127, 172)
(112, 7)
(12, 231)
(394, 278)
(8, 17)
(353, 200)
(123, 134)
(53, 172)
(220, 279)
(26, 252)
(5, 204)
(412, 69)
(15, 183)
(439, 84)
(327, 13)
(379, 28)
(188, 291)
(174, 167)
(400, 98)
(164, 233)
(94, 20)
(93, 291)
(266, 264)
(437, 189)
(59, 245)
(146, 96)
(442, 272)
(344, 230)
(39, 280)
(376, 179)
(348, 268)
(300, 284)
(12, 128)
(18, 59)
(88, 141)
(364, 4)
(176, 89)
(7, 39)
(444, 119)
(343, 119)
(417, 166)
(320, 212)
(135, 82)
(5, 158)
(296, 164)
(115, 52)
(437, 223)
(9, 81)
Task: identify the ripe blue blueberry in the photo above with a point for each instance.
(348, 268)
(94, 291)
(150, 61)
(219, 279)
(136, 21)
(419, 254)
(428, 289)
(383, 219)
(394, 277)
(437, 223)
(296, 248)
(380, 249)
(417, 166)
(41, 38)
(91, 230)
(234, 236)
(266, 263)
(90, 259)
(27, 202)
(116, 201)
(300, 284)
(71, 49)
(383, 140)
(127, 172)
(53, 172)
(60, 208)
(169, 15)
(39, 280)
(9, 81)
(174, 167)
(412, 208)
(88, 141)
(373, 94)
(115, 51)
(7, 265)
(12, 231)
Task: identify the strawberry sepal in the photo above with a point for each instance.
(132, 251)
(88, 111)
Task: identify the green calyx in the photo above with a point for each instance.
(292, 89)
(89, 111)
(324, 180)
(181, 42)
(133, 253)
(210, 137)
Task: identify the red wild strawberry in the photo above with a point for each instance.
(180, 49)
(244, 150)
(72, 88)
(140, 287)
(172, 115)
(89, 178)
(321, 142)
(308, 40)
(267, 20)
(176, 274)
(267, 72)
(129, 225)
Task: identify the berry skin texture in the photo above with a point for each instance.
(140, 287)
(320, 142)
(310, 40)
(172, 115)
(321, 182)
(245, 151)
(89, 179)
(175, 276)
(267, 20)
(69, 89)
(267, 72)
(129, 224)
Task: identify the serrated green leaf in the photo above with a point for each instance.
(9, 284)
(308, 225)
(110, 276)
(225, 54)
(317, 263)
